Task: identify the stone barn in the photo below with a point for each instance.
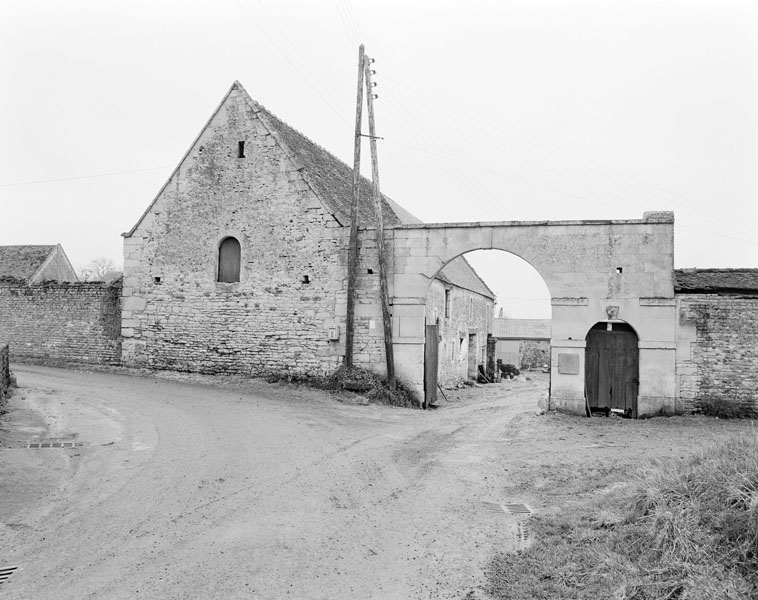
(239, 263)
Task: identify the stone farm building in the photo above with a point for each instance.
(238, 264)
(34, 264)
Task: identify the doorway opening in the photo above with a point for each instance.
(611, 373)
(470, 302)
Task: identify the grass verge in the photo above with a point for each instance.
(685, 529)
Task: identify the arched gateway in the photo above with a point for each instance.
(596, 271)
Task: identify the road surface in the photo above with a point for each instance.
(178, 489)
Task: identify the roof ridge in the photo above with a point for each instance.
(295, 130)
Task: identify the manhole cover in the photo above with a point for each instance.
(6, 572)
(55, 444)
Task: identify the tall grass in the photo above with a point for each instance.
(684, 529)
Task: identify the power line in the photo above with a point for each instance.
(635, 184)
(78, 177)
(291, 63)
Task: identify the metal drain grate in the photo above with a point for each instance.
(47, 444)
(514, 509)
(5, 573)
(517, 509)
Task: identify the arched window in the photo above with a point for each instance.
(229, 260)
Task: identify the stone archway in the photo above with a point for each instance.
(592, 268)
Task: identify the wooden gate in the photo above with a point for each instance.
(612, 367)
(431, 362)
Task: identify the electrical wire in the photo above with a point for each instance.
(597, 171)
(78, 177)
(291, 63)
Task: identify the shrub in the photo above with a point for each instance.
(722, 408)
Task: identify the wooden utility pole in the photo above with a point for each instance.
(352, 251)
(386, 317)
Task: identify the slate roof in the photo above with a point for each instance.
(699, 281)
(22, 262)
(522, 329)
(331, 178)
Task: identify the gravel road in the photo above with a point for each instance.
(194, 489)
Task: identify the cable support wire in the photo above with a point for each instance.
(450, 167)
(78, 177)
(353, 39)
(539, 166)
(616, 177)
(291, 63)
(352, 17)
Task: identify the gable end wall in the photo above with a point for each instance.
(272, 321)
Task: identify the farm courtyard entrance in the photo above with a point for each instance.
(595, 271)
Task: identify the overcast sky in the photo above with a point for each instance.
(490, 110)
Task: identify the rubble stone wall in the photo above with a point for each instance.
(61, 322)
(717, 351)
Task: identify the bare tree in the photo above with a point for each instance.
(96, 269)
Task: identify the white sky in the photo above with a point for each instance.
(490, 110)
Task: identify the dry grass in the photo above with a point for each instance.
(374, 387)
(685, 529)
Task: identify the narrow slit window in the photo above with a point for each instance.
(241, 149)
(229, 260)
(447, 304)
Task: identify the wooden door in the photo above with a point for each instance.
(612, 367)
(431, 364)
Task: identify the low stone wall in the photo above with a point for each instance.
(717, 354)
(5, 371)
(57, 322)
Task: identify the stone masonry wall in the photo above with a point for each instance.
(717, 350)
(470, 313)
(277, 318)
(61, 322)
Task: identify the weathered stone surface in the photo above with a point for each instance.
(717, 354)
(62, 322)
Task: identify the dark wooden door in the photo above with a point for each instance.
(612, 367)
(431, 362)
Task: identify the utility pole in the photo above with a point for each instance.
(386, 317)
(352, 251)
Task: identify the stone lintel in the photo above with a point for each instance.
(570, 301)
(656, 345)
(657, 302)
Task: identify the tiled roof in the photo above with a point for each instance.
(331, 178)
(523, 329)
(694, 281)
(22, 262)
(332, 181)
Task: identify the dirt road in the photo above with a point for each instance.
(187, 490)
(194, 489)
